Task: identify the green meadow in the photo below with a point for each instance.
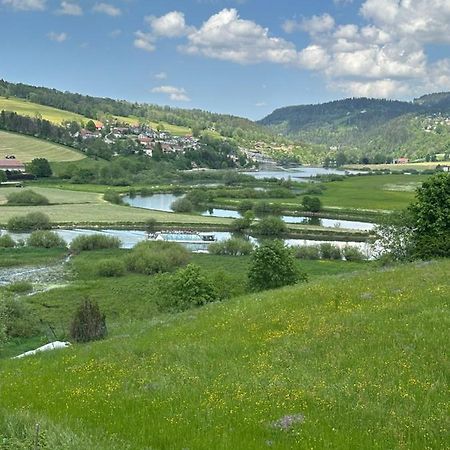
(26, 148)
(26, 108)
(349, 361)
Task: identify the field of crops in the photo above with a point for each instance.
(26, 148)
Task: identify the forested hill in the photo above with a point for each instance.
(370, 125)
(101, 108)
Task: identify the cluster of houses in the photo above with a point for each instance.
(145, 136)
(10, 163)
(432, 123)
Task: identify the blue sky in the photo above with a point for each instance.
(244, 57)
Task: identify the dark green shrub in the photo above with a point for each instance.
(94, 242)
(330, 251)
(150, 225)
(231, 247)
(263, 208)
(273, 266)
(352, 254)
(6, 241)
(271, 226)
(45, 239)
(153, 257)
(312, 204)
(182, 205)
(242, 224)
(111, 268)
(18, 321)
(244, 206)
(88, 324)
(29, 222)
(187, 288)
(113, 197)
(26, 198)
(308, 252)
(40, 167)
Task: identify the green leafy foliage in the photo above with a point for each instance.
(312, 204)
(93, 242)
(26, 198)
(182, 205)
(40, 168)
(110, 268)
(29, 222)
(188, 287)
(113, 197)
(232, 247)
(430, 216)
(273, 266)
(6, 241)
(45, 239)
(153, 257)
(88, 324)
(270, 226)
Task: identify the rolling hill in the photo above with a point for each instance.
(369, 126)
(345, 362)
(26, 148)
(103, 108)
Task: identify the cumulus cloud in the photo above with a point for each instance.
(108, 9)
(57, 37)
(26, 5)
(312, 25)
(386, 55)
(69, 9)
(174, 93)
(144, 41)
(228, 37)
(170, 25)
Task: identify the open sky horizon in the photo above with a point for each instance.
(242, 57)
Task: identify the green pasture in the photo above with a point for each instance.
(26, 108)
(358, 360)
(371, 193)
(26, 148)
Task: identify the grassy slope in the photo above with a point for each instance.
(27, 148)
(366, 366)
(26, 108)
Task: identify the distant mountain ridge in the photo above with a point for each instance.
(369, 125)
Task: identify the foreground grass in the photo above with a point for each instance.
(26, 148)
(361, 357)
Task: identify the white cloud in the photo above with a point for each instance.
(385, 56)
(144, 41)
(108, 9)
(260, 104)
(313, 25)
(160, 76)
(57, 37)
(26, 5)
(228, 37)
(69, 9)
(174, 93)
(170, 25)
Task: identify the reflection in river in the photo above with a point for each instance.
(162, 202)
